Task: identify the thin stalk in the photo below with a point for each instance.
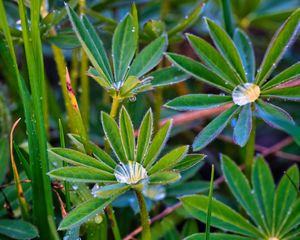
(85, 91)
(109, 209)
(208, 216)
(250, 150)
(227, 16)
(146, 233)
(66, 184)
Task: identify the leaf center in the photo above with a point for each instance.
(245, 93)
(131, 173)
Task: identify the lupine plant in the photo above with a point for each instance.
(83, 161)
(135, 167)
(232, 70)
(274, 211)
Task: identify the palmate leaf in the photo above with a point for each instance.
(216, 236)
(278, 46)
(285, 196)
(77, 158)
(149, 57)
(124, 45)
(289, 93)
(240, 188)
(91, 44)
(113, 135)
(243, 126)
(164, 177)
(199, 71)
(226, 46)
(213, 59)
(127, 133)
(246, 51)
(157, 144)
(144, 138)
(291, 73)
(169, 160)
(198, 102)
(167, 76)
(84, 212)
(264, 188)
(222, 216)
(214, 128)
(18, 229)
(82, 174)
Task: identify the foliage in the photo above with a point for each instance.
(273, 211)
(65, 176)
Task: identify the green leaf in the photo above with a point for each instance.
(246, 51)
(222, 216)
(278, 46)
(91, 44)
(164, 177)
(124, 45)
(168, 76)
(97, 152)
(169, 160)
(18, 229)
(243, 126)
(127, 134)
(287, 126)
(81, 174)
(214, 128)
(198, 102)
(129, 85)
(189, 161)
(226, 46)
(289, 93)
(84, 212)
(78, 158)
(111, 190)
(157, 144)
(112, 133)
(292, 220)
(264, 188)
(187, 21)
(144, 137)
(212, 58)
(285, 196)
(291, 73)
(240, 188)
(149, 57)
(216, 236)
(199, 71)
(270, 109)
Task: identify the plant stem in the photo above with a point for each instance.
(227, 16)
(109, 209)
(250, 150)
(146, 233)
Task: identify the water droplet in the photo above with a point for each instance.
(133, 29)
(245, 93)
(131, 173)
(74, 187)
(132, 99)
